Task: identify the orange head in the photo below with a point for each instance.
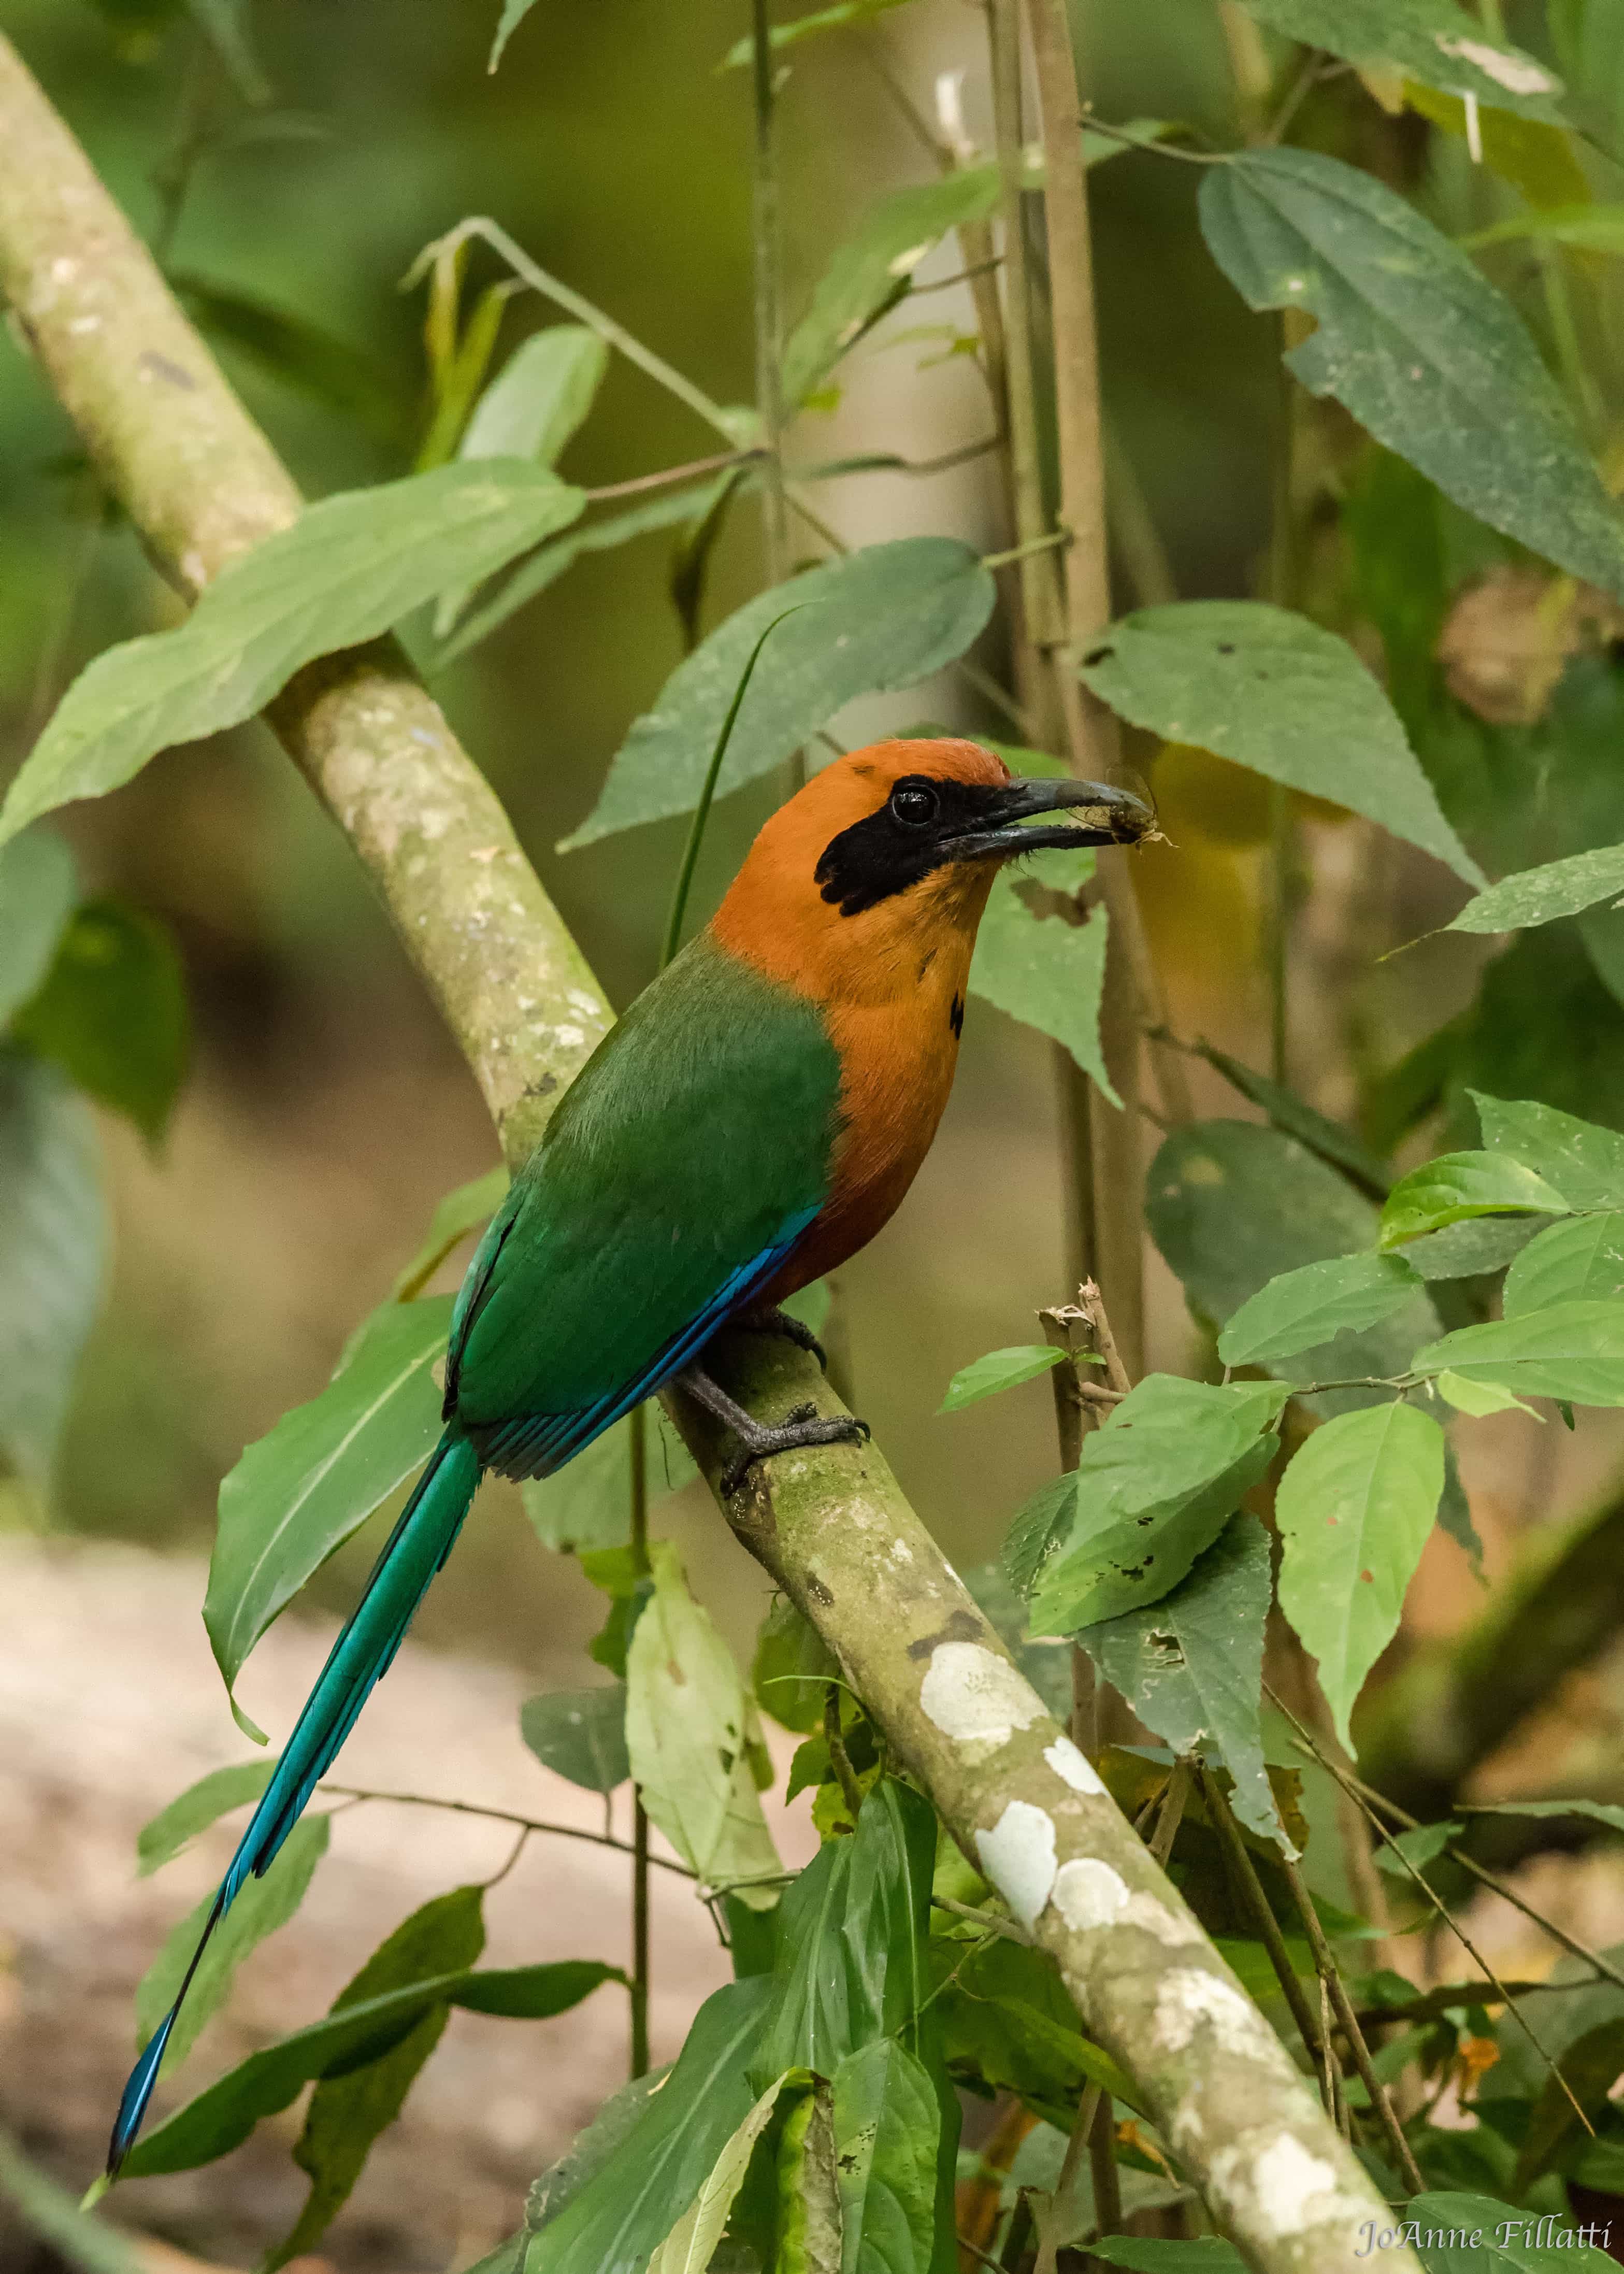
(887, 856)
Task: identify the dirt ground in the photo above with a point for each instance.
(110, 1704)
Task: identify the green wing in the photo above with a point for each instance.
(690, 1154)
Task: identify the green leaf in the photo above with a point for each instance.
(844, 13)
(613, 2222)
(212, 1797)
(1483, 2235)
(1420, 1847)
(539, 398)
(1045, 971)
(1477, 1398)
(314, 362)
(1572, 1351)
(792, 1668)
(1146, 2254)
(1355, 1507)
(1539, 896)
(73, 2236)
(886, 2123)
(1578, 1261)
(998, 1370)
(691, 2244)
(112, 1013)
(1305, 1307)
(549, 563)
(588, 2152)
(882, 618)
(1037, 1530)
(689, 1726)
(1191, 1668)
(1589, 228)
(1597, 1811)
(808, 2200)
(348, 569)
(1433, 41)
(1417, 345)
(1154, 1487)
(1293, 1116)
(870, 273)
(1583, 1162)
(263, 1905)
(580, 1733)
(223, 2116)
(38, 882)
(348, 2111)
(299, 1491)
(586, 1506)
(1280, 694)
(514, 13)
(53, 1251)
(1460, 1184)
(1476, 1246)
(460, 1212)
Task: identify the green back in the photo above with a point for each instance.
(697, 1133)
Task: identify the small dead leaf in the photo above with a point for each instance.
(1507, 640)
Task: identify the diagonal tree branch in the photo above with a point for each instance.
(201, 483)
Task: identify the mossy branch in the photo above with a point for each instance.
(201, 483)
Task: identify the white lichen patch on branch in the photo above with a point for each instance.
(976, 1697)
(1088, 1893)
(1073, 1767)
(1017, 1856)
(1277, 2187)
(1192, 1998)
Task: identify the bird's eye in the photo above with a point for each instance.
(914, 805)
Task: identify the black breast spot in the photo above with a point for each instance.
(955, 1017)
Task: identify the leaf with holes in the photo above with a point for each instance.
(581, 1734)
(1280, 694)
(301, 1491)
(1418, 344)
(1456, 1186)
(887, 2124)
(881, 619)
(1191, 1666)
(1305, 1307)
(1355, 1508)
(53, 1252)
(347, 569)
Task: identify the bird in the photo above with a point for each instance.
(752, 1120)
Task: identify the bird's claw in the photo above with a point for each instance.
(791, 1329)
(803, 1426)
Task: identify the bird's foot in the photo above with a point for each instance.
(802, 1426)
(775, 1321)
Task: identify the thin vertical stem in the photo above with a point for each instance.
(1071, 1421)
(1282, 855)
(639, 2063)
(1245, 1873)
(769, 381)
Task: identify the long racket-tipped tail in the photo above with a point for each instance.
(415, 1549)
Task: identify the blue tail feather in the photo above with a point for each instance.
(415, 1551)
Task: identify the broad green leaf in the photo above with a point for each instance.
(549, 563)
(849, 1965)
(1305, 1307)
(1578, 1261)
(299, 1491)
(880, 619)
(998, 1370)
(792, 1668)
(1355, 1507)
(870, 272)
(1037, 1530)
(1044, 970)
(223, 2116)
(613, 2224)
(1293, 1116)
(580, 1733)
(1191, 1668)
(1597, 1811)
(38, 882)
(1476, 1246)
(460, 1212)
(1539, 896)
(1477, 1398)
(348, 569)
(837, 19)
(1232, 1205)
(689, 1726)
(1584, 1161)
(263, 1905)
(112, 1013)
(1418, 344)
(691, 2244)
(193, 1810)
(588, 2153)
(1280, 694)
(1459, 1185)
(1147, 2255)
(53, 1251)
(1483, 2235)
(73, 2236)
(886, 2124)
(1433, 40)
(586, 1506)
(1005, 2016)
(1155, 1486)
(539, 398)
(347, 2112)
(1572, 1351)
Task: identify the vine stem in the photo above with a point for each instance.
(639, 2049)
(765, 232)
(501, 1815)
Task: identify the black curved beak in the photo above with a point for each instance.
(1003, 826)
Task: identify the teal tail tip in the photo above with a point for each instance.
(132, 2105)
